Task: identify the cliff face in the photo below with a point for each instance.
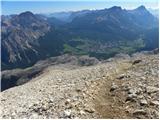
(20, 35)
(121, 87)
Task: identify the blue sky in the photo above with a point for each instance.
(50, 6)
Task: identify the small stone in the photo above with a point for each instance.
(140, 96)
(132, 91)
(136, 62)
(151, 89)
(67, 101)
(131, 97)
(67, 113)
(78, 90)
(126, 87)
(114, 87)
(149, 97)
(142, 78)
(122, 76)
(143, 102)
(87, 83)
(154, 103)
(82, 112)
(139, 112)
(89, 110)
(3, 99)
(139, 90)
(59, 79)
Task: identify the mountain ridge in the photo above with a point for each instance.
(41, 37)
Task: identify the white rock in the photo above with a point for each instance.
(140, 96)
(151, 89)
(82, 112)
(154, 103)
(121, 76)
(67, 113)
(139, 112)
(132, 91)
(143, 102)
(131, 97)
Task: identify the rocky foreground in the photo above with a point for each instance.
(121, 87)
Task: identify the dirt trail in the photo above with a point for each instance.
(105, 102)
(131, 79)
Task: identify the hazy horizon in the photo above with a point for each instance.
(46, 7)
(73, 10)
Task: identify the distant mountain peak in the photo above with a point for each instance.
(142, 7)
(115, 8)
(27, 13)
(27, 17)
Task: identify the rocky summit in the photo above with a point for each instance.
(120, 87)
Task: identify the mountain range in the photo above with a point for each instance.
(28, 38)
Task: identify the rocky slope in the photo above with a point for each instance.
(15, 77)
(121, 87)
(20, 35)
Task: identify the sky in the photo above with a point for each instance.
(50, 6)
